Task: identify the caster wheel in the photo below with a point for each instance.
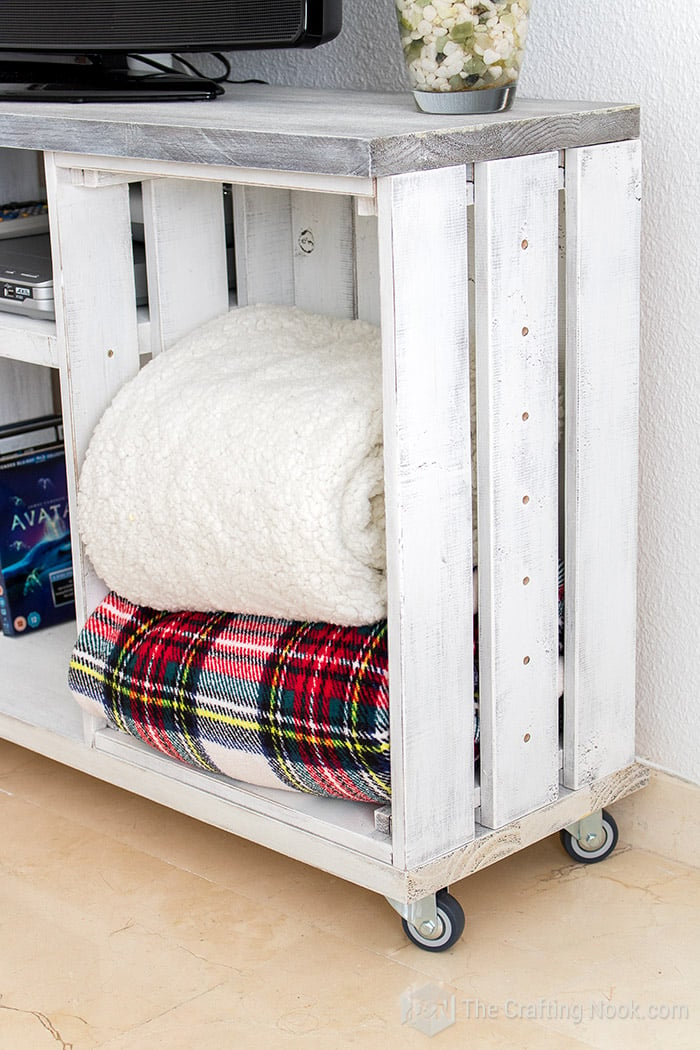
(584, 854)
(450, 927)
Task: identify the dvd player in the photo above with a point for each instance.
(26, 276)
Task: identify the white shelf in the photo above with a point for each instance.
(34, 341)
(28, 339)
(350, 824)
(34, 687)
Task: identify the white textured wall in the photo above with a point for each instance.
(637, 51)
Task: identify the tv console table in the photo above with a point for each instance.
(514, 234)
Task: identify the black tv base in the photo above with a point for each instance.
(97, 81)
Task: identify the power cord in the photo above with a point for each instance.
(223, 78)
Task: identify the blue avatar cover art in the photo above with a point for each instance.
(35, 548)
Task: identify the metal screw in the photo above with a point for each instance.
(306, 241)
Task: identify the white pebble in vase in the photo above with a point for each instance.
(463, 56)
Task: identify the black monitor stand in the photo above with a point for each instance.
(102, 78)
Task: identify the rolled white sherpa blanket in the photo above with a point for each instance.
(242, 471)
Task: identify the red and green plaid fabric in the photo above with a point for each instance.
(310, 699)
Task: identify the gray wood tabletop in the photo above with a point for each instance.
(312, 130)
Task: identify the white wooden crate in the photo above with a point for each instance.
(553, 305)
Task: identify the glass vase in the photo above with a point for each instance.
(463, 57)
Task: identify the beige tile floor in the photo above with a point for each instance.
(125, 926)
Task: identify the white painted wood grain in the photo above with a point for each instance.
(516, 283)
(423, 281)
(95, 325)
(322, 246)
(603, 206)
(367, 267)
(28, 339)
(262, 222)
(106, 171)
(185, 256)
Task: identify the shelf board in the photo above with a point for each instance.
(349, 824)
(33, 685)
(28, 339)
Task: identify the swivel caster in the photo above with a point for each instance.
(590, 840)
(440, 935)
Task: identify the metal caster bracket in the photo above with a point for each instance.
(589, 831)
(422, 914)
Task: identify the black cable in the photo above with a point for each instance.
(224, 78)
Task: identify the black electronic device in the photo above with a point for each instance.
(78, 50)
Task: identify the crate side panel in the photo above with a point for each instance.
(516, 294)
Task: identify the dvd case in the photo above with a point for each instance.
(36, 571)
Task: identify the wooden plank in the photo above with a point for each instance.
(106, 171)
(95, 325)
(42, 697)
(423, 275)
(337, 820)
(603, 203)
(28, 339)
(348, 133)
(489, 847)
(516, 250)
(262, 221)
(322, 243)
(185, 256)
(367, 267)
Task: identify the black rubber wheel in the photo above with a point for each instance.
(450, 925)
(578, 852)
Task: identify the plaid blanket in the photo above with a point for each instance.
(280, 703)
(268, 701)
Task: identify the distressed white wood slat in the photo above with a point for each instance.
(105, 171)
(603, 204)
(423, 282)
(185, 256)
(367, 267)
(95, 326)
(516, 248)
(322, 243)
(28, 339)
(262, 222)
